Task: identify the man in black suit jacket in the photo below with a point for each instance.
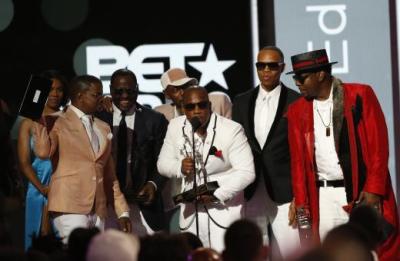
(138, 134)
(262, 111)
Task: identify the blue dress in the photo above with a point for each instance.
(34, 199)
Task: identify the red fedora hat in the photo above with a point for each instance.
(310, 61)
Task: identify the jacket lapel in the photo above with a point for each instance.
(250, 118)
(138, 125)
(76, 127)
(210, 134)
(103, 140)
(337, 113)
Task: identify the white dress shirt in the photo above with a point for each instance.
(325, 153)
(130, 123)
(265, 111)
(80, 115)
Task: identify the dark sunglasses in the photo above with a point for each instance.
(128, 91)
(301, 77)
(273, 66)
(190, 106)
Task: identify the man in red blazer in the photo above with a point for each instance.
(339, 152)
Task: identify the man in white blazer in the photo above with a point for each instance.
(222, 154)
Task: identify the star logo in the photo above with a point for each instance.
(212, 69)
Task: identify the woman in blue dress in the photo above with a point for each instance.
(38, 171)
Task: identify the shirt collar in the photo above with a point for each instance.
(273, 93)
(329, 100)
(130, 112)
(77, 111)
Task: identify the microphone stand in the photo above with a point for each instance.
(196, 203)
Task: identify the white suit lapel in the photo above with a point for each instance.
(209, 139)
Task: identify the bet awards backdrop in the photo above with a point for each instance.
(356, 33)
(210, 39)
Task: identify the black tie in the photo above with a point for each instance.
(122, 152)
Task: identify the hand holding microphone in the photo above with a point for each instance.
(187, 166)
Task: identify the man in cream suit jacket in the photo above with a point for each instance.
(84, 172)
(222, 155)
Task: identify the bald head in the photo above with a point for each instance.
(195, 91)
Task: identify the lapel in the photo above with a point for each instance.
(250, 119)
(211, 132)
(103, 140)
(138, 125)
(279, 112)
(338, 111)
(353, 113)
(77, 129)
(187, 129)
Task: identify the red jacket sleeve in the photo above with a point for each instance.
(375, 146)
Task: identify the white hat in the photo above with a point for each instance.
(176, 77)
(113, 245)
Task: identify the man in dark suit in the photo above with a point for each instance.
(138, 136)
(262, 112)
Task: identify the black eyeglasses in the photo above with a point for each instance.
(191, 106)
(301, 77)
(273, 66)
(128, 91)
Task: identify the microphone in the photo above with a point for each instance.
(208, 188)
(195, 121)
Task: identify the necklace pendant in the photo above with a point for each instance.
(327, 131)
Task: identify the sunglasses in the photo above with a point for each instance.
(191, 106)
(301, 77)
(273, 66)
(128, 91)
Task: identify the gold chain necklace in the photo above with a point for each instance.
(327, 126)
